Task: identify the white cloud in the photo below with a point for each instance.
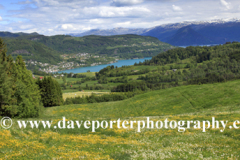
(124, 24)
(50, 30)
(225, 4)
(176, 8)
(52, 2)
(67, 26)
(63, 16)
(106, 14)
(110, 11)
(25, 26)
(1, 18)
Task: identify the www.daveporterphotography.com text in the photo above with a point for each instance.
(139, 125)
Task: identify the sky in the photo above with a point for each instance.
(51, 17)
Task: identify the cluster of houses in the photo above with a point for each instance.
(55, 76)
(95, 64)
(36, 63)
(82, 55)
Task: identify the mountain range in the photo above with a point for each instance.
(184, 33)
(110, 32)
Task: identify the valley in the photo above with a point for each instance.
(63, 52)
(180, 84)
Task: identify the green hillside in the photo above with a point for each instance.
(31, 50)
(124, 46)
(194, 102)
(9, 34)
(171, 101)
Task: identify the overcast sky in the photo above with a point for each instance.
(51, 17)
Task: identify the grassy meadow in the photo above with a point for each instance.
(192, 102)
(80, 94)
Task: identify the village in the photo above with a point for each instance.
(77, 60)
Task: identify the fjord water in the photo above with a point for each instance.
(97, 68)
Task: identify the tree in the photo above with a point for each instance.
(19, 95)
(64, 79)
(87, 88)
(5, 87)
(51, 93)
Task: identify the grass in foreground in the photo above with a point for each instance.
(198, 102)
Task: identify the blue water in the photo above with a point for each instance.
(120, 63)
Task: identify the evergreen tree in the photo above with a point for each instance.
(19, 95)
(5, 88)
(51, 93)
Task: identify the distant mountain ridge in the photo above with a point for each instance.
(203, 32)
(214, 32)
(10, 34)
(110, 32)
(190, 36)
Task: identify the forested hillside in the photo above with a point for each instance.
(179, 66)
(124, 46)
(62, 52)
(9, 34)
(32, 50)
(205, 64)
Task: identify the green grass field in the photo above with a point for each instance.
(193, 102)
(80, 94)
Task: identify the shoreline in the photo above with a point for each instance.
(62, 71)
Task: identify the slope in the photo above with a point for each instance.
(187, 36)
(31, 50)
(186, 103)
(124, 46)
(218, 32)
(221, 33)
(171, 101)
